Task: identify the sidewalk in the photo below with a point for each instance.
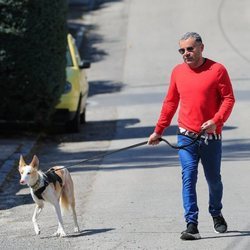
(10, 151)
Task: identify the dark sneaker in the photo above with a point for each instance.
(191, 233)
(220, 225)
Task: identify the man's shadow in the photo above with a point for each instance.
(229, 234)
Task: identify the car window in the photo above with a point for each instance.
(68, 58)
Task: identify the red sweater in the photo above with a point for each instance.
(204, 93)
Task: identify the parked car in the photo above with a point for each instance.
(71, 109)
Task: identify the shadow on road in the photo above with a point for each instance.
(9, 197)
(89, 232)
(86, 232)
(89, 36)
(229, 234)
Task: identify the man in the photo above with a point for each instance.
(204, 91)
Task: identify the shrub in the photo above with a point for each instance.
(32, 58)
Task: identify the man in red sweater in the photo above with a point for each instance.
(204, 92)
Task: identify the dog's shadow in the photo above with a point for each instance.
(86, 232)
(89, 232)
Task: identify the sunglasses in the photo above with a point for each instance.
(188, 49)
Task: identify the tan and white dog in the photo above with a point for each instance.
(55, 187)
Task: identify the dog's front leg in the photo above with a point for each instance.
(60, 230)
(37, 211)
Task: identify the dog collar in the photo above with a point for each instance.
(37, 184)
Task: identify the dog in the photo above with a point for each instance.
(54, 186)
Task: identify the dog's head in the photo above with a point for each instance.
(28, 171)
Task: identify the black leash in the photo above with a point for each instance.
(99, 156)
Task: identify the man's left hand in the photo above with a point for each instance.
(209, 126)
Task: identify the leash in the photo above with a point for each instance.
(186, 145)
(99, 156)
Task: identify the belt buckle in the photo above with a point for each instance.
(190, 134)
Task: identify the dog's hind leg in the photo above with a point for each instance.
(68, 198)
(37, 211)
(76, 227)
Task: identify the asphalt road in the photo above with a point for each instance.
(132, 200)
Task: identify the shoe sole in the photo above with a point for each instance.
(220, 232)
(188, 236)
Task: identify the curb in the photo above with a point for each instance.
(8, 166)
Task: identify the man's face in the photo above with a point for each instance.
(191, 52)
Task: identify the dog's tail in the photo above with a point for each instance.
(67, 198)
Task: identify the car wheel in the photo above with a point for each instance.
(83, 117)
(74, 126)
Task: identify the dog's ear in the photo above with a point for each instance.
(35, 162)
(21, 162)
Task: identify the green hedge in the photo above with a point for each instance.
(32, 58)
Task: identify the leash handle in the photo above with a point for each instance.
(184, 146)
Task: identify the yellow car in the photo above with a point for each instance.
(72, 106)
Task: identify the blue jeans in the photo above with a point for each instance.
(210, 157)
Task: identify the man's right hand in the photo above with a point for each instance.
(154, 139)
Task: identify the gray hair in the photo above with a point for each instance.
(194, 35)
